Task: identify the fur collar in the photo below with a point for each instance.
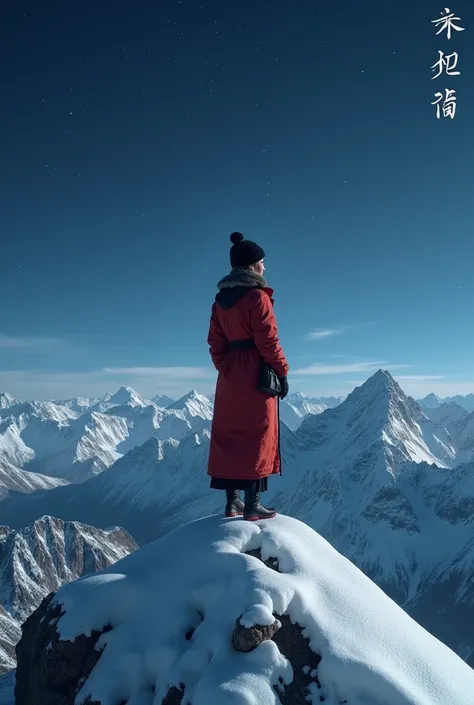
(240, 276)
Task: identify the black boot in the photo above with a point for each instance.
(254, 511)
(234, 506)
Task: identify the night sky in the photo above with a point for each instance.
(136, 136)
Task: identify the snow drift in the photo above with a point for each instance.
(163, 621)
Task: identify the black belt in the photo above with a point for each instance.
(242, 344)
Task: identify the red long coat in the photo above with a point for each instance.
(244, 436)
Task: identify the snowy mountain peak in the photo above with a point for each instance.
(126, 396)
(378, 393)
(296, 397)
(194, 405)
(6, 400)
(43, 410)
(193, 394)
(380, 413)
(432, 401)
(381, 382)
(149, 452)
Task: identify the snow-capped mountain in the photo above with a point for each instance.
(446, 413)
(6, 400)
(432, 401)
(195, 406)
(295, 407)
(146, 491)
(379, 411)
(62, 442)
(370, 485)
(53, 440)
(13, 479)
(126, 396)
(78, 404)
(41, 557)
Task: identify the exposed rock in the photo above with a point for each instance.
(295, 647)
(53, 670)
(270, 562)
(248, 638)
(174, 696)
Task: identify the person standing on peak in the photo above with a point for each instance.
(243, 335)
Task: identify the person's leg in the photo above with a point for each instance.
(234, 506)
(253, 510)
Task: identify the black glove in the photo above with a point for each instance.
(284, 387)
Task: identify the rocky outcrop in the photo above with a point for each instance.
(51, 669)
(55, 670)
(248, 638)
(302, 626)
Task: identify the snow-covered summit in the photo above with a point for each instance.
(43, 410)
(79, 404)
(174, 604)
(194, 405)
(127, 396)
(379, 412)
(6, 400)
(431, 401)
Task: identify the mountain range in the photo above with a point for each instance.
(388, 482)
(432, 401)
(73, 440)
(38, 559)
(78, 439)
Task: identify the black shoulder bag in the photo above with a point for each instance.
(268, 381)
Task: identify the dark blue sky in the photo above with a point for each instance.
(137, 136)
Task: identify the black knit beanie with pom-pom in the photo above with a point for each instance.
(244, 253)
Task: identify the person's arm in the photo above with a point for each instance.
(218, 343)
(264, 327)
